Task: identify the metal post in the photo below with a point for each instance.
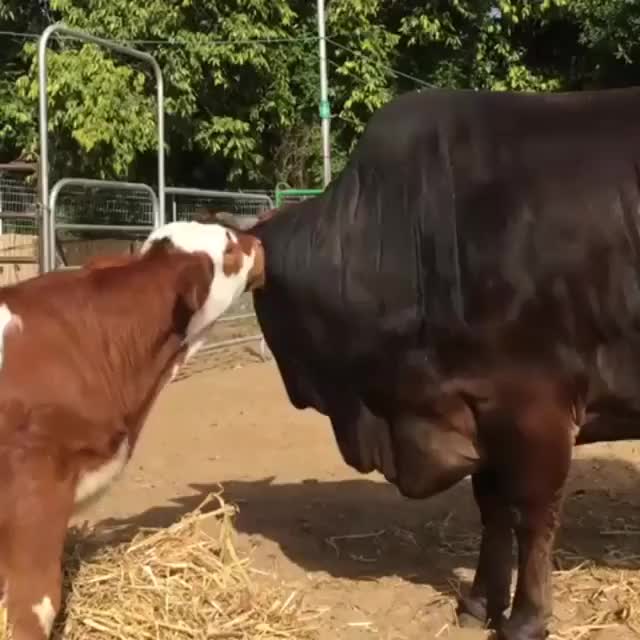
(325, 108)
(1, 207)
(45, 229)
(46, 259)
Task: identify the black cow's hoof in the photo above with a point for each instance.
(469, 621)
(472, 612)
(514, 629)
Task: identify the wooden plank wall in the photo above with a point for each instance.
(23, 247)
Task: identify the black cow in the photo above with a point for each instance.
(465, 299)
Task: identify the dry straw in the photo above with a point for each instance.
(185, 583)
(177, 583)
(593, 599)
(599, 600)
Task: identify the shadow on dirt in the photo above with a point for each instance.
(362, 529)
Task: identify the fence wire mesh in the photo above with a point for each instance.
(185, 206)
(95, 216)
(18, 205)
(102, 206)
(79, 204)
(19, 228)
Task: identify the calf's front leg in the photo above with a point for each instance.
(35, 533)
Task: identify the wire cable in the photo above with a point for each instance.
(396, 72)
(308, 38)
(26, 35)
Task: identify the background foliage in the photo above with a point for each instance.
(242, 75)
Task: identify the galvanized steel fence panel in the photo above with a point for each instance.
(18, 205)
(184, 203)
(84, 205)
(19, 228)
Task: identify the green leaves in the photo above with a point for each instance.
(242, 84)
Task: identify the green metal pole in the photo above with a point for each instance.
(325, 108)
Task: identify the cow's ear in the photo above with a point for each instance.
(161, 246)
(194, 282)
(204, 215)
(237, 223)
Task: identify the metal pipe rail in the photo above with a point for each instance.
(46, 258)
(214, 193)
(281, 194)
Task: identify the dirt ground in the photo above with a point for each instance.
(382, 566)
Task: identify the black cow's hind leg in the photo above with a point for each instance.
(490, 593)
(532, 603)
(539, 466)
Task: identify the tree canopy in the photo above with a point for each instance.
(242, 78)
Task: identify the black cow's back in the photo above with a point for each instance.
(456, 209)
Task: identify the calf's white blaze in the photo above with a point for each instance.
(92, 482)
(45, 613)
(8, 321)
(224, 289)
(192, 348)
(175, 370)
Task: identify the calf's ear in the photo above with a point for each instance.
(238, 223)
(237, 251)
(204, 215)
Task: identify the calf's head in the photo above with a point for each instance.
(224, 265)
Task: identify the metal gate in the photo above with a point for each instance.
(79, 205)
(129, 209)
(48, 198)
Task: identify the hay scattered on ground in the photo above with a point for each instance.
(178, 583)
(592, 598)
(184, 582)
(596, 597)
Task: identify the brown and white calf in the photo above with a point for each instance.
(84, 355)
